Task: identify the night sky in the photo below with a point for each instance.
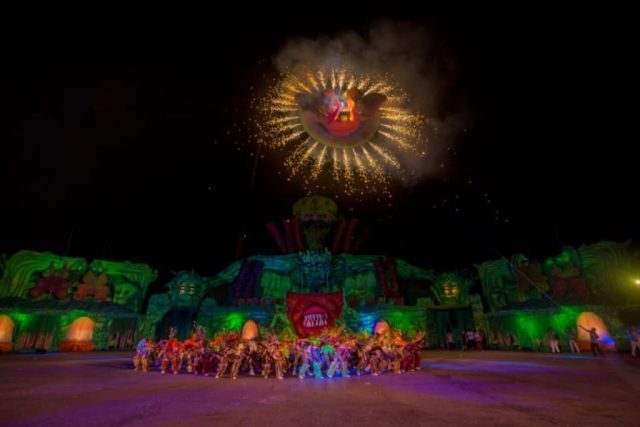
(124, 136)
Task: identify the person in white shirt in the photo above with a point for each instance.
(451, 342)
(479, 338)
(634, 340)
(553, 341)
(573, 344)
(471, 340)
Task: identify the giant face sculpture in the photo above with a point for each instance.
(186, 289)
(126, 294)
(341, 118)
(451, 290)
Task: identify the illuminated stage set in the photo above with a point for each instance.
(319, 297)
(319, 281)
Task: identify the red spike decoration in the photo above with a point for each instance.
(338, 236)
(360, 240)
(288, 232)
(297, 234)
(382, 276)
(391, 268)
(277, 236)
(388, 276)
(346, 243)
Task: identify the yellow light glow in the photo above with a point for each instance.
(81, 330)
(6, 328)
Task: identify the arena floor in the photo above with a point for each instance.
(454, 388)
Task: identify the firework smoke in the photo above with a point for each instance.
(398, 51)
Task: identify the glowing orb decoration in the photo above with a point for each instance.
(79, 337)
(250, 330)
(590, 320)
(81, 330)
(353, 128)
(6, 329)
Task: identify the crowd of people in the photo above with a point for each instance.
(336, 352)
(470, 340)
(633, 334)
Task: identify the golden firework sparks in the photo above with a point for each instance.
(357, 123)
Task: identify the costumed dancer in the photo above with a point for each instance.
(316, 358)
(363, 358)
(238, 357)
(226, 357)
(333, 359)
(175, 355)
(138, 355)
(297, 356)
(252, 356)
(148, 354)
(278, 359)
(417, 345)
(163, 356)
(305, 358)
(188, 353)
(215, 353)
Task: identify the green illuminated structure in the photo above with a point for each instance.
(592, 285)
(371, 285)
(355, 275)
(53, 302)
(44, 294)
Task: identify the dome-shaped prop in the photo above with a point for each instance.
(250, 330)
(381, 327)
(6, 334)
(80, 336)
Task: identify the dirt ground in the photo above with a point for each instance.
(454, 388)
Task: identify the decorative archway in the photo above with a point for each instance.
(250, 330)
(381, 327)
(80, 336)
(6, 334)
(589, 320)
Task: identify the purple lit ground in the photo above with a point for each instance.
(489, 389)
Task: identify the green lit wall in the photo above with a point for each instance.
(51, 327)
(530, 326)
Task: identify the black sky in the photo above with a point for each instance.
(123, 136)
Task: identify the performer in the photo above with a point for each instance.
(573, 344)
(138, 355)
(417, 346)
(173, 353)
(594, 339)
(553, 341)
(252, 358)
(316, 361)
(305, 358)
(238, 357)
(226, 357)
(333, 353)
(298, 350)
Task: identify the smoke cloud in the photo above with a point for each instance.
(408, 54)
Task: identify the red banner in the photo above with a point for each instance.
(311, 313)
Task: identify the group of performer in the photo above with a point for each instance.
(336, 352)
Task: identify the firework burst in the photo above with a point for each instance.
(337, 125)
